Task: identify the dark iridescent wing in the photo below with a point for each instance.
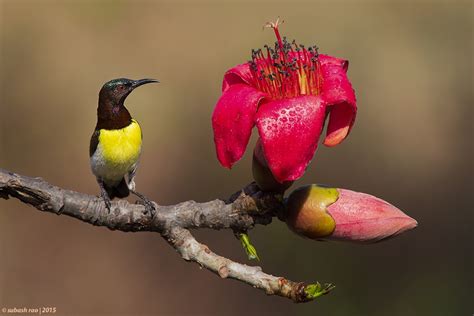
(94, 142)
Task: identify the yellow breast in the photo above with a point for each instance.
(121, 146)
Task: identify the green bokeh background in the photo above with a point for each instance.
(411, 65)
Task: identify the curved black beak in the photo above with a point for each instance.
(137, 83)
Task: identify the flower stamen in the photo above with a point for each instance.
(287, 70)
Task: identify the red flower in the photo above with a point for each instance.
(287, 92)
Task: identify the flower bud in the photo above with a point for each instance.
(319, 212)
(263, 175)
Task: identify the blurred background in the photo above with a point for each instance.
(411, 66)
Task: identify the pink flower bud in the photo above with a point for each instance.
(337, 214)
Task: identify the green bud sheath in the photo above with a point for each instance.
(306, 211)
(248, 247)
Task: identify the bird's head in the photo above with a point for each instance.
(115, 91)
(111, 113)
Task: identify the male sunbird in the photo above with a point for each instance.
(116, 143)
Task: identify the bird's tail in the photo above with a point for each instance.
(120, 191)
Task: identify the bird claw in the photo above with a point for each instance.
(149, 205)
(108, 204)
(105, 196)
(150, 209)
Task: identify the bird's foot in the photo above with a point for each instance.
(104, 195)
(149, 205)
(108, 203)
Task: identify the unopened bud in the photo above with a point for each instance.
(319, 212)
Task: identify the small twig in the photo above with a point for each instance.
(191, 250)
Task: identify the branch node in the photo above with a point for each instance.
(223, 272)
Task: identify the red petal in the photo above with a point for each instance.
(326, 60)
(340, 97)
(237, 75)
(290, 129)
(233, 120)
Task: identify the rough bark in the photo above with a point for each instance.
(240, 213)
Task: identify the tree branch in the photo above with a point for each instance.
(241, 212)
